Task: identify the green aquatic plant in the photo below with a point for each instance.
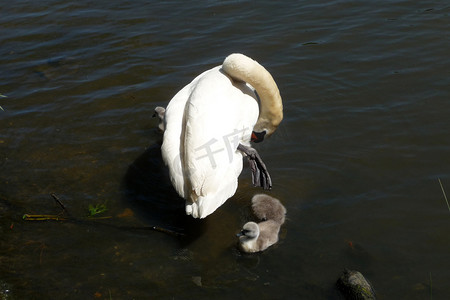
(97, 209)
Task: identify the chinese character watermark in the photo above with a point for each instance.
(209, 152)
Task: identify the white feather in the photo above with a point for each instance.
(204, 123)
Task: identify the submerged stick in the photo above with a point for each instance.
(66, 216)
(39, 217)
(60, 203)
(443, 192)
(431, 288)
(155, 228)
(167, 231)
(28, 217)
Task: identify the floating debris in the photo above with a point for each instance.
(2, 96)
(28, 217)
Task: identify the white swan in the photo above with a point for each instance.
(208, 126)
(256, 237)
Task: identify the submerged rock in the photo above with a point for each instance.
(197, 280)
(353, 285)
(5, 291)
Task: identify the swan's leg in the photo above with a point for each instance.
(260, 175)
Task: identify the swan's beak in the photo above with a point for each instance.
(258, 137)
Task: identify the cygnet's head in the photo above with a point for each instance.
(159, 112)
(249, 231)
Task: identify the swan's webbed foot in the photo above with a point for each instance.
(260, 175)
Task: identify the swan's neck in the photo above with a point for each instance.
(243, 68)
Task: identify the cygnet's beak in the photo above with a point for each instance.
(240, 233)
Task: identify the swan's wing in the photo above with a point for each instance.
(268, 234)
(173, 141)
(219, 115)
(266, 207)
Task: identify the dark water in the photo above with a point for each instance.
(356, 161)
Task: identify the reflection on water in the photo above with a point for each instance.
(356, 160)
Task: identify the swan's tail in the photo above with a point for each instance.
(266, 207)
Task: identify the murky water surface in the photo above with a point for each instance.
(356, 161)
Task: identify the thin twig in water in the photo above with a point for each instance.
(99, 208)
(431, 288)
(2, 96)
(60, 203)
(443, 192)
(28, 217)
